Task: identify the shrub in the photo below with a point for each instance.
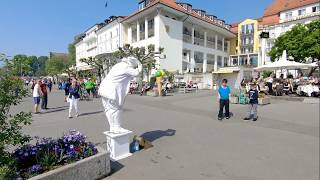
(49, 153)
(266, 74)
(11, 93)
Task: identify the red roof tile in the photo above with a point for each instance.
(282, 5)
(174, 5)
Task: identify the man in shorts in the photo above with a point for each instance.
(36, 96)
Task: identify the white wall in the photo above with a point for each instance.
(170, 32)
(106, 42)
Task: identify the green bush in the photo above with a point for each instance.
(266, 74)
(11, 93)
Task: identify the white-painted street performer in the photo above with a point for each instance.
(114, 88)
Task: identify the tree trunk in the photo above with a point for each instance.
(141, 81)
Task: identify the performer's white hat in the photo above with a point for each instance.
(132, 61)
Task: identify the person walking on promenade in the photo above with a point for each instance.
(74, 96)
(36, 92)
(50, 85)
(253, 103)
(44, 95)
(223, 96)
(90, 85)
(66, 85)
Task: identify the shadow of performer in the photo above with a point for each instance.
(154, 135)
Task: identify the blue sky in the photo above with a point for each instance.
(36, 27)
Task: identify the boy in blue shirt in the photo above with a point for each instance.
(253, 103)
(223, 96)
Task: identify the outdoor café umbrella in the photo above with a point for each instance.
(282, 63)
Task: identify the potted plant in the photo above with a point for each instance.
(263, 99)
(234, 98)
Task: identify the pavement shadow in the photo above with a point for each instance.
(58, 107)
(115, 167)
(52, 111)
(90, 113)
(157, 134)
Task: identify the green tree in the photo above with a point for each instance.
(55, 66)
(34, 65)
(11, 93)
(71, 54)
(102, 64)
(145, 55)
(42, 60)
(20, 65)
(301, 42)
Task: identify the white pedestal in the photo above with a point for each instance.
(118, 144)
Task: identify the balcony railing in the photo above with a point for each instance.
(187, 38)
(211, 44)
(198, 41)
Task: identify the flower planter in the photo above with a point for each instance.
(234, 100)
(264, 101)
(93, 167)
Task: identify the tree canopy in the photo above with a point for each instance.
(146, 56)
(55, 66)
(301, 42)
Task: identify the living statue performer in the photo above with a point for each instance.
(114, 88)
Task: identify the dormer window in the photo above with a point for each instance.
(200, 12)
(211, 17)
(144, 3)
(186, 6)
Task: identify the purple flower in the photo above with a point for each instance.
(71, 146)
(35, 168)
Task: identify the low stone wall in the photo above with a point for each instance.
(94, 167)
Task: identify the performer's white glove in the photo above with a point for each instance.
(139, 67)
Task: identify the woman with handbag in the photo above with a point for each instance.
(74, 97)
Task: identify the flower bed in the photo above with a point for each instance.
(48, 153)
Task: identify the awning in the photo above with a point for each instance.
(83, 68)
(226, 70)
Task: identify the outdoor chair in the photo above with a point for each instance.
(279, 90)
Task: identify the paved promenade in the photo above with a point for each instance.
(190, 143)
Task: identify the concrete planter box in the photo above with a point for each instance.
(94, 167)
(264, 101)
(234, 100)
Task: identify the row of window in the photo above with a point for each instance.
(302, 12)
(199, 59)
(247, 28)
(199, 40)
(105, 36)
(142, 30)
(246, 50)
(247, 40)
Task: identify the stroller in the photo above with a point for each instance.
(84, 95)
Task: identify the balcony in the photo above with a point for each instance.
(187, 38)
(198, 41)
(211, 44)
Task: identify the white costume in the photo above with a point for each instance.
(114, 88)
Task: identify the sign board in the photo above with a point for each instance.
(264, 35)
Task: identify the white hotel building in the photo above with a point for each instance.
(195, 43)
(280, 17)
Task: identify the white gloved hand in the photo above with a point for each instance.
(140, 67)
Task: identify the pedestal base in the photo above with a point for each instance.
(118, 144)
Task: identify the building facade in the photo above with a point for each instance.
(247, 47)
(297, 12)
(278, 18)
(194, 42)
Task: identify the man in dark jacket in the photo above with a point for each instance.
(253, 103)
